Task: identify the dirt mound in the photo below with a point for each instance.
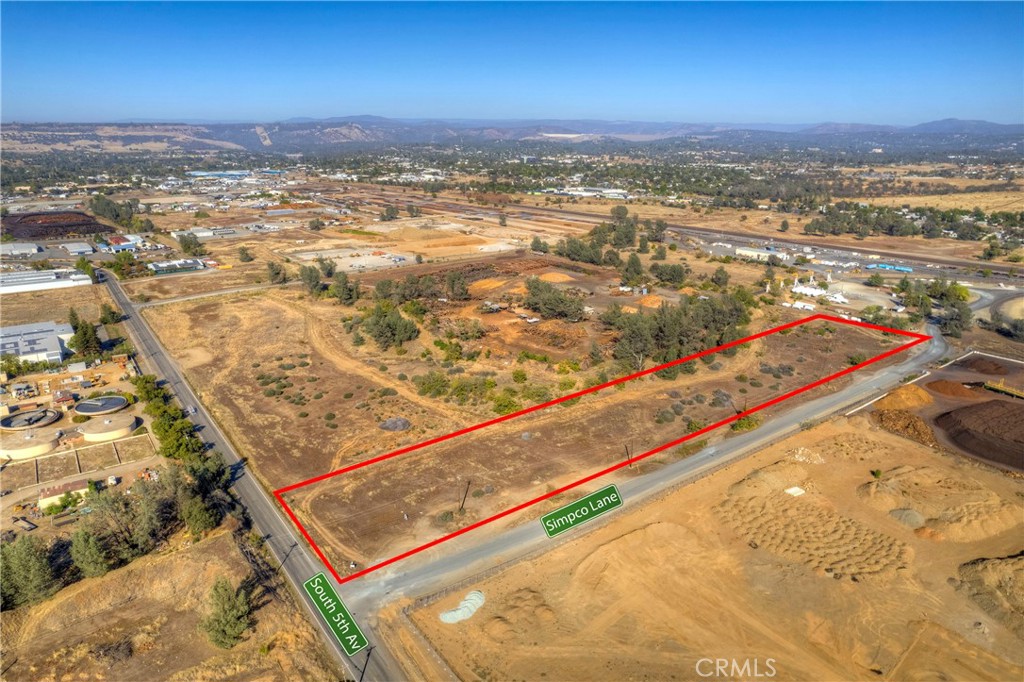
(951, 388)
(984, 365)
(651, 301)
(938, 505)
(487, 284)
(906, 424)
(904, 398)
(806, 529)
(993, 430)
(395, 424)
(556, 277)
(997, 586)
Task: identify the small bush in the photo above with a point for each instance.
(80, 419)
(347, 396)
(329, 416)
(303, 414)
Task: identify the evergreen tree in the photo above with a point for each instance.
(85, 341)
(244, 255)
(720, 277)
(73, 319)
(89, 554)
(455, 285)
(198, 517)
(633, 273)
(26, 572)
(310, 277)
(230, 615)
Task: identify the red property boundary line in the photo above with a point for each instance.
(279, 493)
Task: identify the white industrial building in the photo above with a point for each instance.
(19, 249)
(760, 254)
(809, 290)
(77, 248)
(36, 342)
(40, 280)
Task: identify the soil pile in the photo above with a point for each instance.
(904, 398)
(951, 388)
(954, 508)
(395, 424)
(651, 301)
(997, 586)
(984, 365)
(993, 430)
(906, 424)
(556, 277)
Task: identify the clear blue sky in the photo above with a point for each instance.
(720, 62)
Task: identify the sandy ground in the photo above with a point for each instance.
(829, 585)
(155, 605)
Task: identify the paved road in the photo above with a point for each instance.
(463, 558)
(292, 552)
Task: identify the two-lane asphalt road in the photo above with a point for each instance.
(297, 561)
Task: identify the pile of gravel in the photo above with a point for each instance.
(395, 424)
(909, 517)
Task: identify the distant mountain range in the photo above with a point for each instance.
(336, 133)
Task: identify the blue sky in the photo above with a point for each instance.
(721, 62)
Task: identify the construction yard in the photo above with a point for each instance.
(733, 567)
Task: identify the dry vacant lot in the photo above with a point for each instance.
(53, 304)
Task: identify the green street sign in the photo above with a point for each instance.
(581, 511)
(338, 618)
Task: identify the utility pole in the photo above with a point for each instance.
(626, 448)
(465, 495)
(367, 663)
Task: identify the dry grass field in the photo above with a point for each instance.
(986, 201)
(53, 305)
(415, 498)
(830, 585)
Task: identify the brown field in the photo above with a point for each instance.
(226, 345)
(134, 449)
(756, 223)
(55, 467)
(986, 201)
(152, 609)
(194, 283)
(53, 304)
(97, 457)
(732, 567)
(587, 437)
(18, 475)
